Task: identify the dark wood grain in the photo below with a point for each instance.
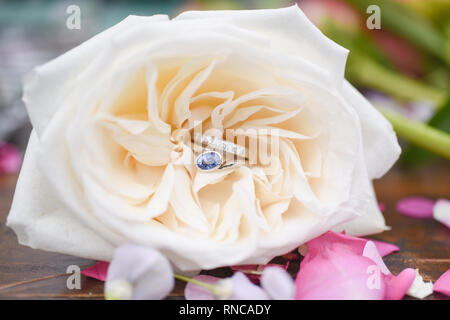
(425, 244)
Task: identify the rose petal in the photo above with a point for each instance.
(370, 251)
(385, 248)
(416, 207)
(398, 286)
(442, 285)
(278, 283)
(381, 206)
(334, 270)
(10, 158)
(195, 292)
(98, 271)
(342, 267)
(441, 212)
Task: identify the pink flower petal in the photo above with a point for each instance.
(385, 248)
(340, 267)
(195, 292)
(98, 271)
(10, 158)
(333, 269)
(370, 251)
(441, 212)
(381, 206)
(357, 244)
(397, 287)
(416, 207)
(442, 285)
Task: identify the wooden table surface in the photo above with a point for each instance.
(424, 244)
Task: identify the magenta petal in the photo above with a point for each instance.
(442, 285)
(397, 286)
(195, 292)
(334, 268)
(358, 244)
(385, 248)
(416, 207)
(10, 158)
(381, 206)
(98, 271)
(371, 252)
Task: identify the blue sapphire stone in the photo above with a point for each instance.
(209, 160)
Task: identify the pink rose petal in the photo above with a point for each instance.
(416, 207)
(385, 248)
(442, 285)
(358, 244)
(370, 251)
(338, 266)
(381, 206)
(98, 271)
(10, 158)
(397, 287)
(195, 292)
(441, 212)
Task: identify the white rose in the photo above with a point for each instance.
(102, 167)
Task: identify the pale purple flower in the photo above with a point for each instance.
(138, 273)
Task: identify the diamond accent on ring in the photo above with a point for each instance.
(220, 144)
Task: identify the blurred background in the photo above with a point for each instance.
(402, 67)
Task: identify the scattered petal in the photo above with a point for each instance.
(381, 206)
(10, 158)
(385, 248)
(441, 212)
(341, 267)
(148, 272)
(419, 288)
(397, 287)
(370, 251)
(98, 271)
(278, 283)
(442, 285)
(416, 207)
(196, 292)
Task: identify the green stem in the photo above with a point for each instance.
(208, 286)
(420, 134)
(371, 74)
